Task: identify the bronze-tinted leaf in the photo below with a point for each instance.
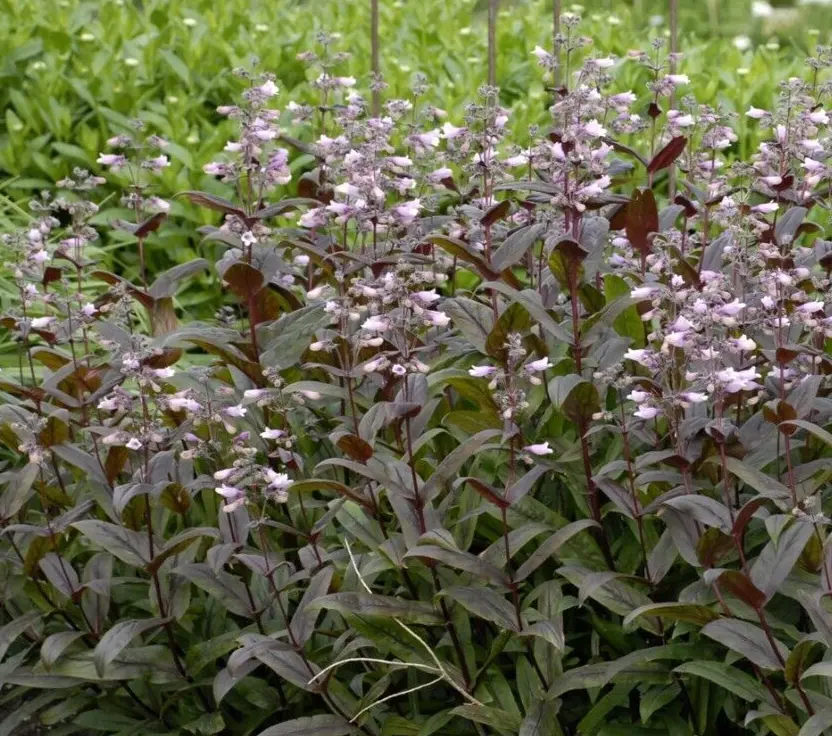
(642, 220)
(244, 279)
(150, 225)
(355, 447)
(213, 202)
(495, 213)
(667, 155)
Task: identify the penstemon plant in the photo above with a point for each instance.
(490, 436)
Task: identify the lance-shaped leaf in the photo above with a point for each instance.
(667, 155)
(462, 561)
(531, 301)
(219, 584)
(449, 467)
(15, 628)
(779, 556)
(642, 220)
(738, 584)
(732, 679)
(213, 202)
(473, 319)
(118, 637)
(704, 509)
(324, 725)
(18, 490)
(125, 544)
(576, 398)
(692, 613)
(748, 640)
(303, 620)
(485, 603)
(365, 604)
(514, 247)
(552, 545)
(56, 644)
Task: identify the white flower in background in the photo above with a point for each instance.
(540, 450)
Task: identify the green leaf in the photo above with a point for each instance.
(759, 481)
(803, 653)
(18, 490)
(304, 618)
(178, 66)
(448, 468)
(817, 725)
(541, 719)
(462, 561)
(56, 644)
(615, 595)
(486, 604)
(493, 717)
(313, 726)
(576, 398)
(515, 319)
(15, 628)
(125, 544)
(118, 637)
(778, 557)
(219, 584)
(747, 640)
(704, 509)
(365, 604)
(531, 301)
(728, 677)
(812, 428)
(472, 318)
(552, 545)
(689, 612)
(514, 247)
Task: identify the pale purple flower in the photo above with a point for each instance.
(375, 323)
(646, 412)
(113, 160)
(268, 89)
(594, 129)
(482, 371)
(236, 411)
(435, 318)
(742, 380)
(235, 496)
(407, 212)
(134, 444)
(272, 434)
(40, 323)
(766, 207)
(536, 366)
(811, 307)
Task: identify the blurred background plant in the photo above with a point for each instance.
(75, 72)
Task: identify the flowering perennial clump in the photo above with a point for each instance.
(488, 424)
